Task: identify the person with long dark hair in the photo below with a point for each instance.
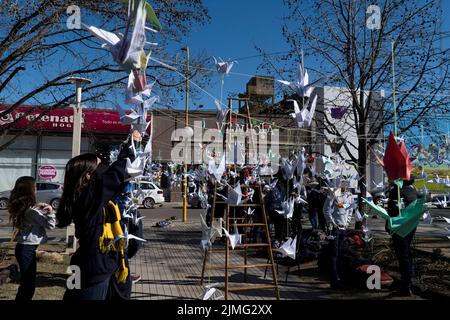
(88, 188)
(29, 221)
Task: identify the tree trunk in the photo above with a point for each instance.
(362, 159)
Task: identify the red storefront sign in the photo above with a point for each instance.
(47, 172)
(61, 120)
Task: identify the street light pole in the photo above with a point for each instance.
(71, 240)
(77, 115)
(186, 124)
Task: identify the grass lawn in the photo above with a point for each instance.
(50, 280)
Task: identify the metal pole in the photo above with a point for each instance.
(186, 124)
(71, 240)
(77, 116)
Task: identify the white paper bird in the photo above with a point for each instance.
(234, 195)
(235, 237)
(136, 167)
(125, 50)
(223, 67)
(221, 114)
(287, 169)
(218, 171)
(302, 86)
(209, 234)
(289, 248)
(445, 219)
(304, 117)
(378, 185)
(287, 208)
(426, 218)
(211, 292)
(127, 237)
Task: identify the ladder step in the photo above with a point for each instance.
(245, 205)
(250, 245)
(253, 287)
(240, 266)
(250, 224)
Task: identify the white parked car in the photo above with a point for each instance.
(48, 192)
(147, 194)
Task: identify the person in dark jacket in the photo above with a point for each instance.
(402, 245)
(88, 187)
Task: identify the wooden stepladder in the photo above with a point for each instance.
(246, 223)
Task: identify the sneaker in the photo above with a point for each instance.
(135, 278)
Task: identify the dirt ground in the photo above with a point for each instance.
(51, 273)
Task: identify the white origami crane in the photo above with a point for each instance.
(287, 208)
(359, 217)
(217, 172)
(442, 203)
(223, 67)
(301, 164)
(427, 219)
(304, 117)
(378, 185)
(127, 237)
(289, 248)
(288, 169)
(445, 219)
(221, 114)
(136, 167)
(302, 87)
(234, 195)
(234, 238)
(209, 234)
(250, 211)
(211, 292)
(126, 50)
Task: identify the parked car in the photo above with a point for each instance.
(48, 192)
(148, 194)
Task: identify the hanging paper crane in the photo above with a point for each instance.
(289, 248)
(304, 117)
(396, 161)
(407, 220)
(127, 49)
(223, 68)
(302, 86)
(217, 172)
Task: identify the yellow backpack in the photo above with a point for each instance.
(112, 239)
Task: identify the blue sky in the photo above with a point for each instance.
(236, 28)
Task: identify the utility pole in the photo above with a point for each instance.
(186, 124)
(71, 240)
(77, 114)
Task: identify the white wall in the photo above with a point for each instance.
(22, 157)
